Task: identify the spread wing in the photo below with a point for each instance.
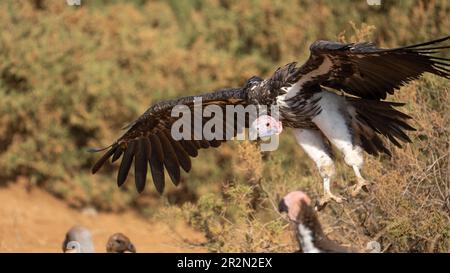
(366, 71)
(149, 143)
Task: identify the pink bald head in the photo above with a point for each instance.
(265, 126)
(293, 201)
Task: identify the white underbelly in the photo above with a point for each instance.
(335, 123)
(333, 119)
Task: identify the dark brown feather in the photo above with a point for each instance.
(182, 156)
(117, 154)
(140, 164)
(156, 163)
(196, 143)
(189, 147)
(203, 143)
(170, 159)
(125, 165)
(366, 71)
(368, 146)
(382, 118)
(103, 159)
(214, 143)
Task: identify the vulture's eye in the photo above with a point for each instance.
(267, 124)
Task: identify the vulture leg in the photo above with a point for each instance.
(360, 184)
(318, 149)
(334, 121)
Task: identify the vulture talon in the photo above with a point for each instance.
(324, 200)
(336, 198)
(360, 185)
(365, 189)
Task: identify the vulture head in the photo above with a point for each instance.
(78, 240)
(264, 127)
(119, 243)
(72, 247)
(307, 228)
(295, 204)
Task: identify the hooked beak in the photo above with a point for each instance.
(282, 207)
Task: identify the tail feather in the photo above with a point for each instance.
(372, 119)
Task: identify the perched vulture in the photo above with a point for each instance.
(355, 120)
(308, 231)
(78, 240)
(119, 243)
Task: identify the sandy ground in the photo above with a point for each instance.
(36, 221)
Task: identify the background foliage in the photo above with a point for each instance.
(71, 77)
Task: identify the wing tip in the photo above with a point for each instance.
(99, 163)
(140, 189)
(96, 150)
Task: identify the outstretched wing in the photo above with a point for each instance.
(148, 140)
(366, 71)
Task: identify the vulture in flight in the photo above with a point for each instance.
(354, 120)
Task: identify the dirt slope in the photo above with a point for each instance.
(37, 222)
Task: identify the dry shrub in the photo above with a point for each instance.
(241, 219)
(412, 189)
